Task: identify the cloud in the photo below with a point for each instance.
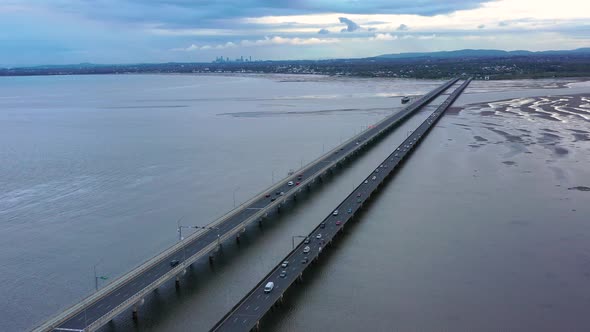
(323, 32)
(402, 27)
(384, 37)
(372, 29)
(481, 26)
(350, 25)
(503, 24)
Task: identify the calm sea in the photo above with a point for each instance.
(96, 171)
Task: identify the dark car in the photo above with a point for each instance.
(174, 263)
(304, 260)
(306, 240)
(267, 195)
(273, 199)
(323, 225)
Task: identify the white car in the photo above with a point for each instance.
(285, 264)
(290, 183)
(306, 249)
(335, 213)
(319, 236)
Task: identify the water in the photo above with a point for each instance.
(97, 169)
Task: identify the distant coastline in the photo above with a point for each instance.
(480, 64)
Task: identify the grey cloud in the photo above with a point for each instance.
(372, 29)
(323, 32)
(402, 27)
(503, 24)
(481, 26)
(350, 25)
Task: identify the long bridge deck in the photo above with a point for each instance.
(130, 289)
(248, 312)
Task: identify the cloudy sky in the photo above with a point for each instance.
(36, 32)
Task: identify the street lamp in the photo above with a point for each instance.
(297, 236)
(234, 195)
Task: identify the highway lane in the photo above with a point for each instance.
(248, 312)
(116, 297)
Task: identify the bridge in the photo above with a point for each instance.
(131, 289)
(248, 312)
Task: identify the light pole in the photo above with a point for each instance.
(234, 195)
(297, 236)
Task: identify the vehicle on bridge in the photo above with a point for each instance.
(269, 286)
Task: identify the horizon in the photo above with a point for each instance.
(130, 32)
(285, 60)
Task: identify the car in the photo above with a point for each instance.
(338, 222)
(297, 183)
(366, 181)
(304, 260)
(341, 149)
(377, 170)
(273, 199)
(307, 240)
(269, 286)
(374, 178)
(306, 249)
(350, 210)
(285, 264)
(278, 193)
(359, 200)
(396, 155)
(358, 195)
(267, 195)
(323, 225)
(283, 274)
(335, 213)
(381, 166)
(174, 263)
(299, 176)
(282, 193)
(290, 183)
(319, 236)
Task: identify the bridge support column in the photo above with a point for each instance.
(211, 259)
(177, 282)
(300, 277)
(260, 223)
(238, 238)
(134, 313)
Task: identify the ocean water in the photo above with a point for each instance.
(478, 231)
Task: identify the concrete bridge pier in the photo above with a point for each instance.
(177, 281)
(134, 314)
(300, 277)
(210, 259)
(256, 327)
